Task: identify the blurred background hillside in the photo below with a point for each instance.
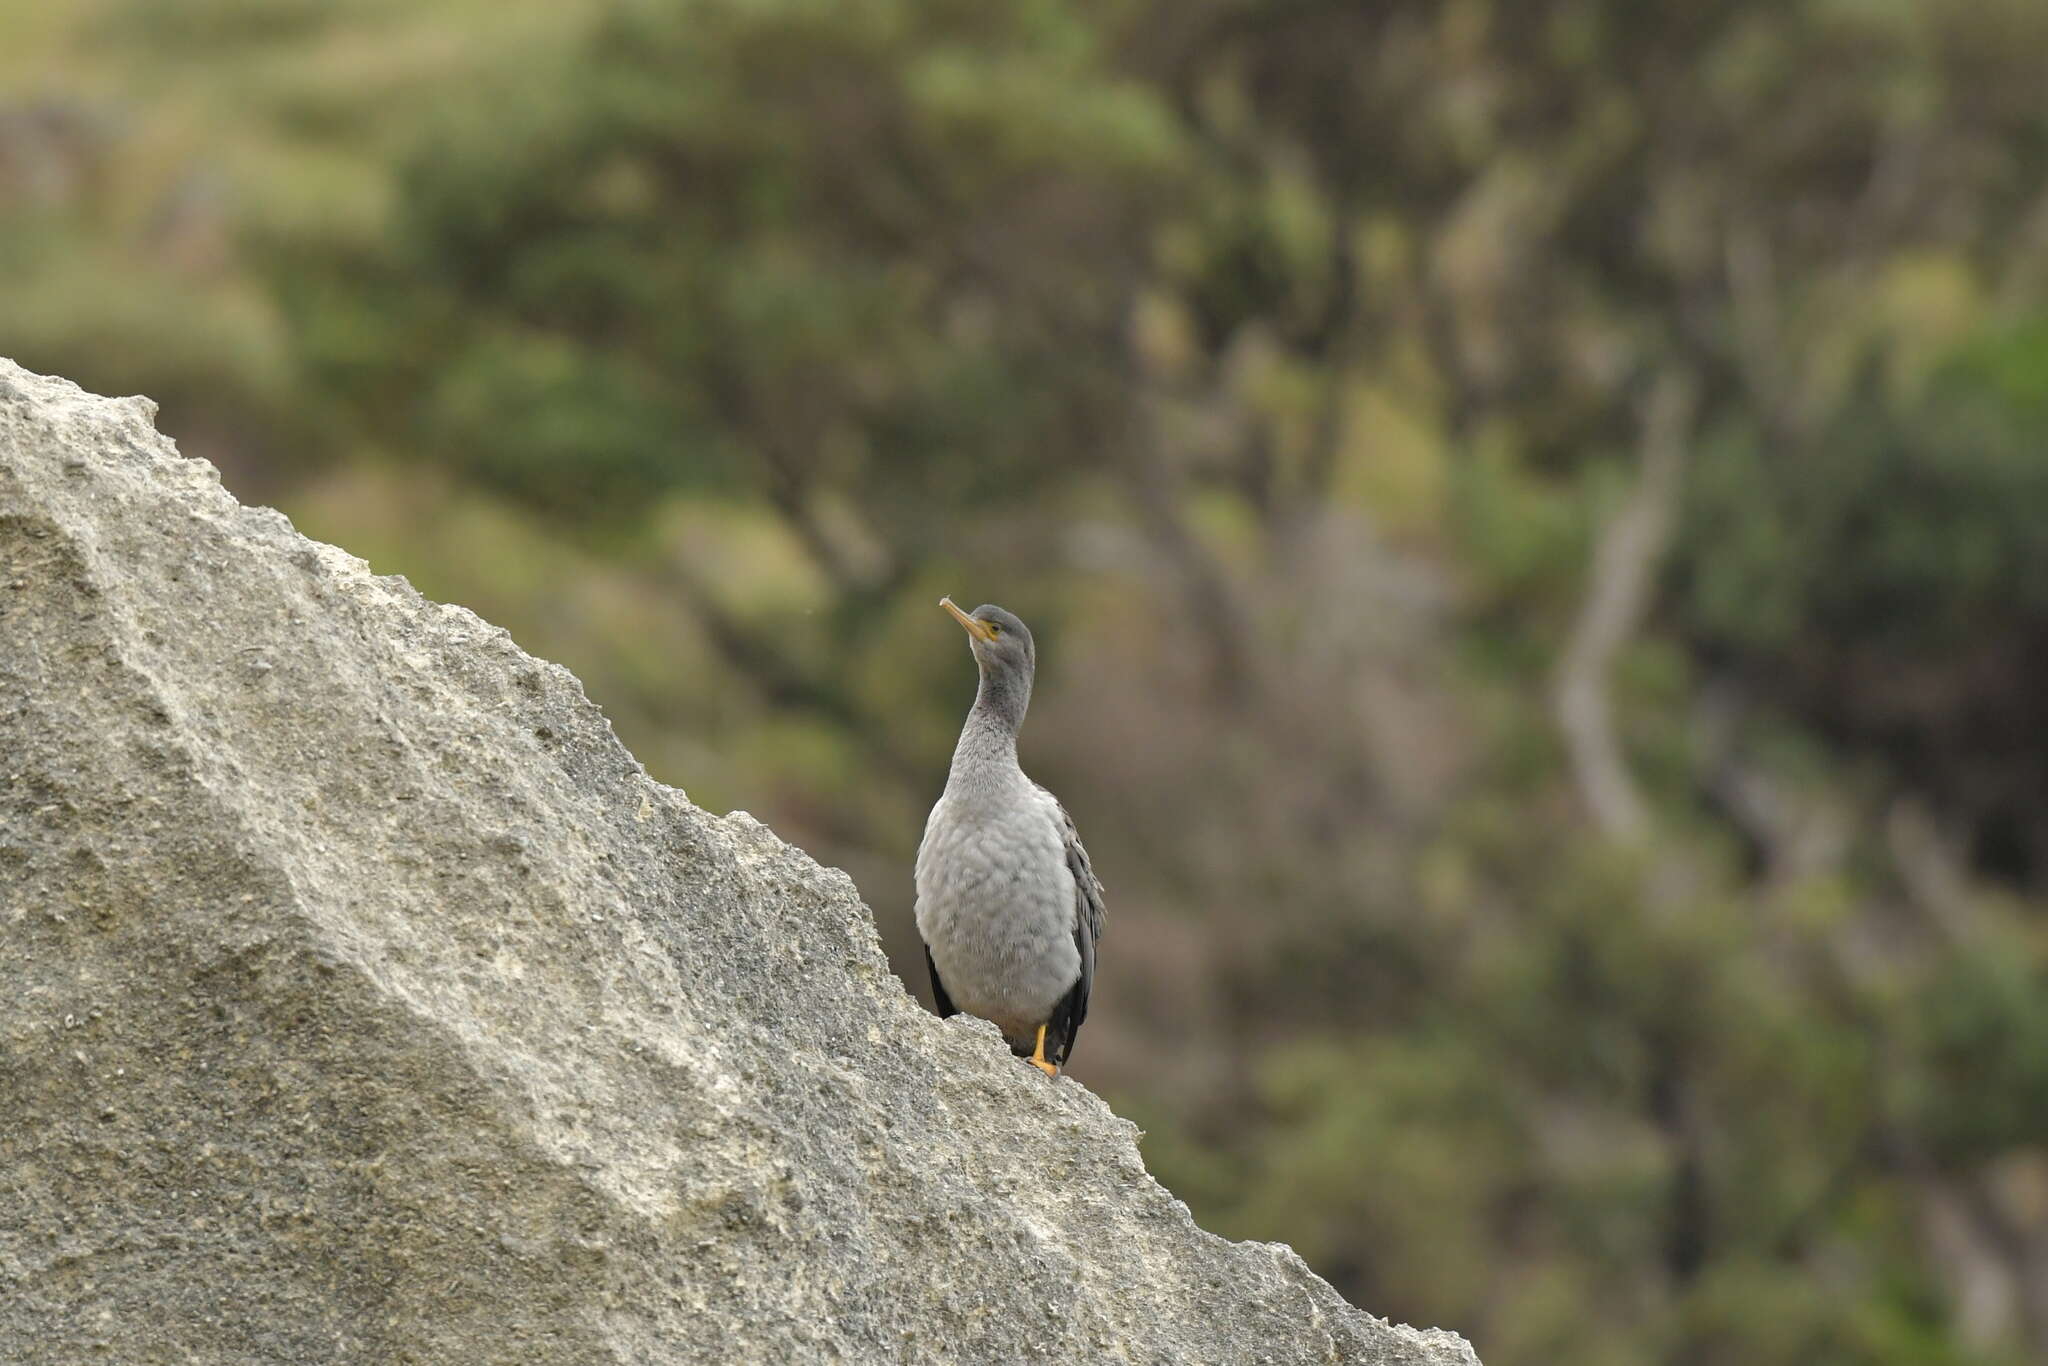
(1535, 516)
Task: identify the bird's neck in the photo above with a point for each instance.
(988, 742)
(1000, 702)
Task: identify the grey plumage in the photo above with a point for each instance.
(1008, 905)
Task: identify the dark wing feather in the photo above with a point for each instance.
(1088, 928)
(944, 1003)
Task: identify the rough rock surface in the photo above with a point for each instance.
(362, 1000)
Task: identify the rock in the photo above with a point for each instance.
(366, 1002)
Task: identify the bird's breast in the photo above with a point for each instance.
(995, 904)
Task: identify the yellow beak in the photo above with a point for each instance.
(978, 629)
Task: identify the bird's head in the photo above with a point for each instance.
(1001, 643)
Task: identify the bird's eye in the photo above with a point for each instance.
(994, 629)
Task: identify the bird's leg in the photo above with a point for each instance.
(1037, 1058)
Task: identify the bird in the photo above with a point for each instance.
(1008, 904)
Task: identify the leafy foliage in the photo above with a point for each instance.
(1291, 366)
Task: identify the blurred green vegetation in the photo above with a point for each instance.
(1533, 513)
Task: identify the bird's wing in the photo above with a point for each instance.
(1088, 926)
(1088, 911)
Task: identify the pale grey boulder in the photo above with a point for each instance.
(362, 1000)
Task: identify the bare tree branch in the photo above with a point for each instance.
(1933, 870)
(1340, 343)
(1625, 563)
(1212, 602)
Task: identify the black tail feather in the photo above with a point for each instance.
(940, 1000)
(1066, 1022)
